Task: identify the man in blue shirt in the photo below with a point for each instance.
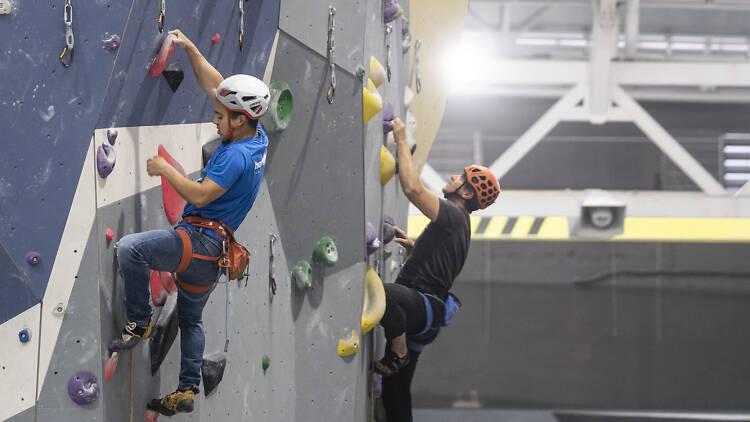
(224, 193)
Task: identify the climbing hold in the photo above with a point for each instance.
(173, 202)
(111, 366)
(174, 76)
(83, 387)
(374, 303)
(265, 363)
(391, 10)
(302, 274)
(111, 136)
(387, 165)
(215, 38)
(408, 96)
(165, 331)
(109, 235)
(105, 160)
(388, 231)
(33, 258)
(161, 59)
(280, 110)
(150, 415)
(325, 252)
(158, 292)
(387, 117)
(371, 237)
(349, 346)
(24, 335)
(377, 72)
(59, 309)
(112, 43)
(361, 72)
(212, 371)
(4, 7)
(371, 101)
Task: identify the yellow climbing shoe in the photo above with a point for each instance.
(181, 401)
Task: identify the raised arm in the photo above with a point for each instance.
(208, 77)
(415, 192)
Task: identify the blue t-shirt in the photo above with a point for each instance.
(238, 168)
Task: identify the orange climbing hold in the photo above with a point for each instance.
(173, 202)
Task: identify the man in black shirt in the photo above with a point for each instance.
(417, 303)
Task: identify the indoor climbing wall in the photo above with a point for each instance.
(73, 181)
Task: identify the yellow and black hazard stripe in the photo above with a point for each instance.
(650, 229)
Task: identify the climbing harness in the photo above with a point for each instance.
(388, 30)
(451, 305)
(242, 23)
(271, 274)
(162, 15)
(417, 48)
(331, 45)
(69, 39)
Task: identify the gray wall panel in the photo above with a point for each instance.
(307, 21)
(314, 170)
(28, 415)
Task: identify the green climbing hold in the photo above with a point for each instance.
(325, 252)
(266, 362)
(302, 274)
(280, 109)
(241, 276)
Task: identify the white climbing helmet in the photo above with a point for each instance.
(245, 94)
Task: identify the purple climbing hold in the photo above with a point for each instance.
(391, 10)
(371, 236)
(387, 117)
(33, 258)
(105, 160)
(83, 387)
(388, 231)
(112, 43)
(111, 136)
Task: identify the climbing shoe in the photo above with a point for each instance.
(132, 333)
(181, 401)
(390, 364)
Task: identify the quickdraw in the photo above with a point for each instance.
(271, 273)
(417, 48)
(388, 30)
(331, 46)
(69, 39)
(162, 15)
(242, 23)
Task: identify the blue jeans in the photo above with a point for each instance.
(161, 250)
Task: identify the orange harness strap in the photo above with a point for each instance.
(187, 256)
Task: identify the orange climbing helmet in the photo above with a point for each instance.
(484, 183)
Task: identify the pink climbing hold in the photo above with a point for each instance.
(173, 202)
(215, 38)
(109, 369)
(110, 234)
(160, 62)
(150, 415)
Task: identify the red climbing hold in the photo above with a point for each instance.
(215, 38)
(111, 365)
(151, 415)
(160, 62)
(110, 234)
(158, 294)
(173, 202)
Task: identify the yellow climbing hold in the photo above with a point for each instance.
(377, 72)
(349, 346)
(387, 165)
(374, 306)
(371, 101)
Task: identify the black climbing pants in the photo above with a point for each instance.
(404, 311)
(397, 391)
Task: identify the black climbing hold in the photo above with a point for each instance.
(174, 76)
(208, 150)
(165, 331)
(24, 335)
(212, 371)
